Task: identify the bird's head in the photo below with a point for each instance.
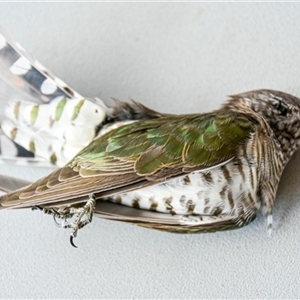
(280, 110)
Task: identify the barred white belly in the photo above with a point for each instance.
(220, 191)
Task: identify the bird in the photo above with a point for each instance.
(179, 173)
(185, 173)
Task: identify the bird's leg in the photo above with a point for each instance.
(83, 215)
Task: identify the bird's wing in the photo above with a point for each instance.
(140, 154)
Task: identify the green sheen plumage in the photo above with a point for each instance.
(180, 141)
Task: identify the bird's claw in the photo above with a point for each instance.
(83, 216)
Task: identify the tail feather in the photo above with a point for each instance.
(39, 112)
(27, 75)
(44, 117)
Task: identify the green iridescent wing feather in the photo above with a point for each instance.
(172, 142)
(141, 154)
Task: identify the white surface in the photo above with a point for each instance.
(174, 57)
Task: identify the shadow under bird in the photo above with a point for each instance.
(179, 173)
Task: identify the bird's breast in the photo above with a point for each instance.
(226, 189)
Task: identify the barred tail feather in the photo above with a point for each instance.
(46, 118)
(39, 112)
(27, 75)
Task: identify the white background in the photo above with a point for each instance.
(173, 57)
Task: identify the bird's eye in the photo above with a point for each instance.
(283, 109)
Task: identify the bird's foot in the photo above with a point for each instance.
(83, 215)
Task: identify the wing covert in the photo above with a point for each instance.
(187, 141)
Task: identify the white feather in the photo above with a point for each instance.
(65, 136)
